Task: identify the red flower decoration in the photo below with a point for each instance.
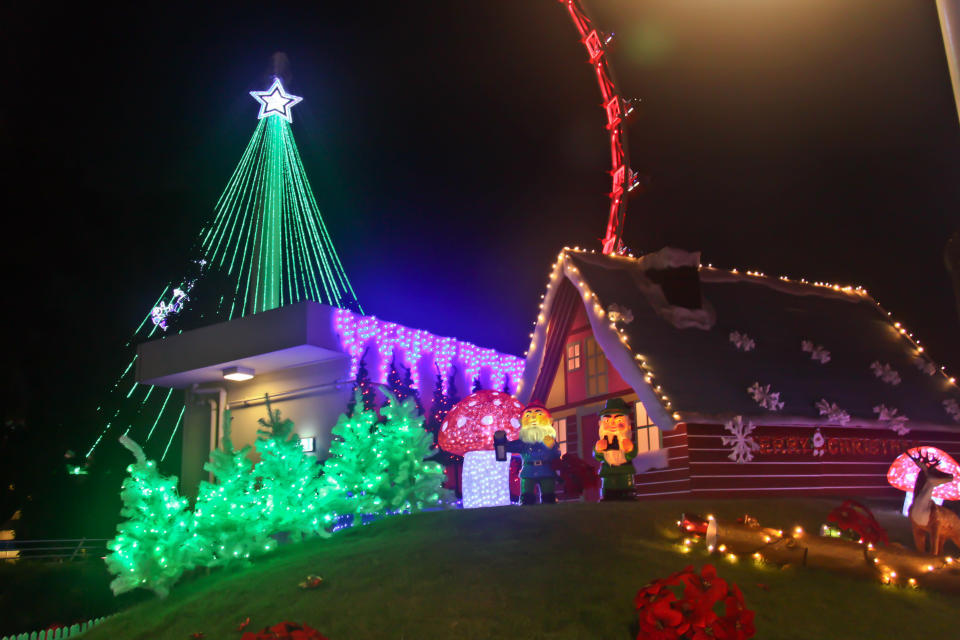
(665, 616)
(853, 516)
(285, 631)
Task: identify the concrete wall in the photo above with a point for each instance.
(313, 396)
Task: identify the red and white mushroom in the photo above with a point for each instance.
(903, 474)
(468, 431)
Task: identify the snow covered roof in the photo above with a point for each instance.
(692, 340)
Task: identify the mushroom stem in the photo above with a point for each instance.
(486, 481)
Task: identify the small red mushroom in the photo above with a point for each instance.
(470, 425)
(468, 431)
(903, 472)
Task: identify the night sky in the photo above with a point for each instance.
(455, 147)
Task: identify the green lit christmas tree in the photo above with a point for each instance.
(413, 482)
(355, 470)
(228, 513)
(155, 544)
(291, 496)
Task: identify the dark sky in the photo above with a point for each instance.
(454, 147)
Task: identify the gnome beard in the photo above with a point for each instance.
(534, 433)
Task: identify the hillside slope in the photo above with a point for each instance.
(564, 571)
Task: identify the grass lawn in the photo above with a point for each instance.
(35, 594)
(564, 571)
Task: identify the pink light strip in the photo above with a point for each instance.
(358, 332)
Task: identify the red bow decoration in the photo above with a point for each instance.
(285, 631)
(684, 606)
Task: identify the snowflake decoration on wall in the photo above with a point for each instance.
(616, 313)
(764, 397)
(892, 418)
(885, 372)
(743, 444)
(817, 352)
(742, 341)
(925, 366)
(834, 413)
(952, 408)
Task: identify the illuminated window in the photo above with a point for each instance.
(573, 356)
(560, 426)
(596, 369)
(648, 434)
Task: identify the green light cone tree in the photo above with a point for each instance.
(355, 470)
(228, 513)
(265, 246)
(291, 496)
(413, 482)
(155, 544)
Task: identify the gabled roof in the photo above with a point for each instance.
(683, 363)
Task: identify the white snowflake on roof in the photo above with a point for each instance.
(834, 413)
(885, 372)
(742, 341)
(743, 444)
(892, 418)
(925, 366)
(764, 397)
(952, 408)
(816, 351)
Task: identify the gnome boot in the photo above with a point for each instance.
(528, 498)
(549, 498)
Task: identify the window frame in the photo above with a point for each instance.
(574, 356)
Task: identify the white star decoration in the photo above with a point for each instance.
(275, 101)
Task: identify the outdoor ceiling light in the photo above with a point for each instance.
(237, 374)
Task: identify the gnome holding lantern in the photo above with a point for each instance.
(538, 447)
(615, 450)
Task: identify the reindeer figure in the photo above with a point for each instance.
(928, 518)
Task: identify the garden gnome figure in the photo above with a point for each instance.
(538, 447)
(615, 450)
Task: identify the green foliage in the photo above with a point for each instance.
(291, 496)
(155, 544)
(373, 469)
(228, 512)
(412, 482)
(354, 472)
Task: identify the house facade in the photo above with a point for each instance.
(742, 384)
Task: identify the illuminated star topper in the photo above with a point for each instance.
(275, 101)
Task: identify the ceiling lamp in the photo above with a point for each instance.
(237, 374)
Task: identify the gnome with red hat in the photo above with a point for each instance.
(538, 447)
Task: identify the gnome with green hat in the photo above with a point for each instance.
(615, 450)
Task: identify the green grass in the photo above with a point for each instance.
(34, 594)
(564, 571)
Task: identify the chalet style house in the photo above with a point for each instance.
(743, 384)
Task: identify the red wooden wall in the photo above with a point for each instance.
(853, 462)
